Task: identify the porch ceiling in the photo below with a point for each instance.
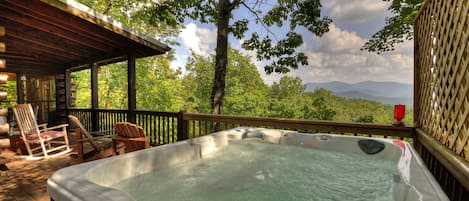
(49, 36)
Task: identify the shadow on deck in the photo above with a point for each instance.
(22, 179)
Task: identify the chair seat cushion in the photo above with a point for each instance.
(47, 135)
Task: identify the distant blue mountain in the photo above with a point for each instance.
(385, 92)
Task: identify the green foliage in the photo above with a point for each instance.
(288, 100)
(82, 81)
(246, 93)
(112, 84)
(281, 53)
(158, 86)
(397, 29)
(129, 13)
(320, 111)
(287, 87)
(10, 88)
(366, 119)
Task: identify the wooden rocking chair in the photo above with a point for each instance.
(89, 147)
(131, 135)
(39, 142)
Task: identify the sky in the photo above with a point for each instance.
(335, 56)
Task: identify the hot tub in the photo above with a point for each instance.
(255, 164)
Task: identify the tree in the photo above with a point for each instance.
(246, 93)
(128, 13)
(286, 99)
(397, 29)
(158, 85)
(282, 53)
(320, 112)
(366, 119)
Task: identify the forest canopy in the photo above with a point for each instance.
(162, 88)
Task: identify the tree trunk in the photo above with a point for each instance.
(221, 57)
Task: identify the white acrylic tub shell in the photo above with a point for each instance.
(91, 181)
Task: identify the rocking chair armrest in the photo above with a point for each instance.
(101, 133)
(43, 126)
(54, 127)
(136, 139)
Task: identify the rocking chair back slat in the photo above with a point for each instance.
(24, 115)
(48, 139)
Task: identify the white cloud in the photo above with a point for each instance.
(338, 40)
(199, 40)
(355, 10)
(337, 57)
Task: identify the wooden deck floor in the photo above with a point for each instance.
(22, 179)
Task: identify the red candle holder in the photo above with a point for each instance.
(399, 113)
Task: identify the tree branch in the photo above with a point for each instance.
(234, 4)
(259, 19)
(107, 8)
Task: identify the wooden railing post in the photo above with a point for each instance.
(131, 87)
(182, 127)
(94, 97)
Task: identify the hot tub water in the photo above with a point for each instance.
(247, 170)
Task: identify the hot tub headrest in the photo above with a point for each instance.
(371, 146)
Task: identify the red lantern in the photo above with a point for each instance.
(399, 113)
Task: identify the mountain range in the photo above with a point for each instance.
(385, 92)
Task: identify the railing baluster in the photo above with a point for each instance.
(167, 128)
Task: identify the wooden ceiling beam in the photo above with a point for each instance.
(38, 38)
(102, 30)
(32, 67)
(29, 20)
(18, 47)
(104, 58)
(39, 63)
(41, 11)
(8, 55)
(18, 53)
(32, 70)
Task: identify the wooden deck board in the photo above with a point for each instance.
(27, 180)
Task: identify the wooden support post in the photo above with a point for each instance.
(68, 89)
(2, 48)
(182, 127)
(20, 88)
(94, 97)
(131, 87)
(28, 92)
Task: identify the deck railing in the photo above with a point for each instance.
(169, 127)
(202, 124)
(161, 127)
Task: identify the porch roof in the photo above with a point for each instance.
(48, 36)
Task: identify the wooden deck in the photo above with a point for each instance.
(22, 179)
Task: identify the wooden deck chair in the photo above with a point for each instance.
(131, 135)
(40, 143)
(89, 147)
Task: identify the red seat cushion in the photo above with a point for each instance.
(50, 134)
